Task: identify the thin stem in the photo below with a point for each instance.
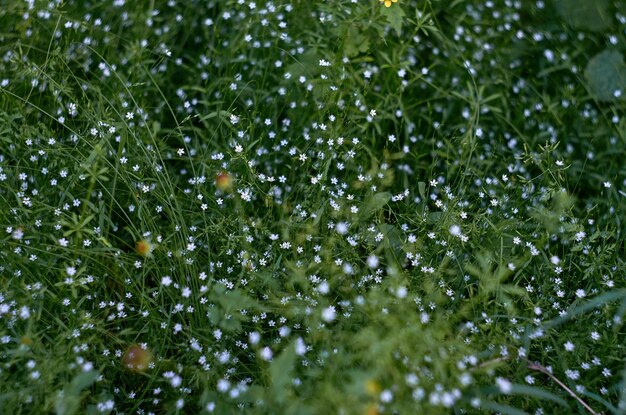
(539, 368)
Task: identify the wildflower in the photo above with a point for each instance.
(224, 181)
(504, 385)
(388, 2)
(386, 396)
(143, 247)
(372, 261)
(455, 230)
(18, 234)
(329, 314)
(137, 358)
(266, 353)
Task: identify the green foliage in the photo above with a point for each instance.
(606, 75)
(395, 17)
(312, 207)
(593, 15)
(68, 400)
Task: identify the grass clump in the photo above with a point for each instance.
(304, 207)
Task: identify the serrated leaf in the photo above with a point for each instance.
(305, 64)
(356, 42)
(606, 74)
(592, 15)
(395, 17)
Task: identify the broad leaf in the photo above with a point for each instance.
(606, 75)
(374, 203)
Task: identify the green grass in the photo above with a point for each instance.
(342, 207)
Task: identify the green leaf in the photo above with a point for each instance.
(597, 301)
(83, 381)
(356, 42)
(538, 393)
(601, 400)
(592, 15)
(395, 16)
(392, 245)
(68, 401)
(606, 73)
(504, 409)
(280, 372)
(421, 187)
(374, 203)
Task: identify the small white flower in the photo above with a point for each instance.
(342, 228)
(254, 337)
(504, 385)
(266, 353)
(455, 230)
(372, 261)
(329, 314)
(386, 396)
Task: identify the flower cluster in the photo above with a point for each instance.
(246, 205)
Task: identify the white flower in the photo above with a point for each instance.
(329, 314)
(254, 337)
(504, 385)
(372, 261)
(342, 228)
(386, 396)
(455, 230)
(266, 353)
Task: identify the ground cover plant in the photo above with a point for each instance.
(304, 207)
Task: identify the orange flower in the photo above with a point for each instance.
(143, 247)
(388, 2)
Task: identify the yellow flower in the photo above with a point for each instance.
(388, 2)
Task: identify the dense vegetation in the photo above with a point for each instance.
(308, 207)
